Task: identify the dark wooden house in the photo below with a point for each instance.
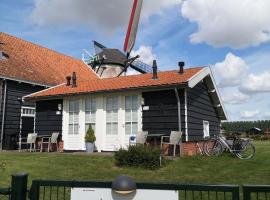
(26, 68)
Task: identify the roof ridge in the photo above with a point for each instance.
(38, 45)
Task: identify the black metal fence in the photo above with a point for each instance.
(258, 192)
(61, 190)
(5, 193)
(54, 190)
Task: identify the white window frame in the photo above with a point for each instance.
(92, 111)
(28, 111)
(73, 122)
(206, 128)
(132, 121)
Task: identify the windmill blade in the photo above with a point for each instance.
(98, 47)
(133, 26)
(141, 67)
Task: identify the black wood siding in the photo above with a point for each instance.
(162, 116)
(47, 120)
(15, 92)
(200, 107)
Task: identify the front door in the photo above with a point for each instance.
(112, 139)
(131, 117)
(74, 136)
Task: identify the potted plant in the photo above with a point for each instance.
(90, 139)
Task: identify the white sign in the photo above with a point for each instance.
(145, 107)
(108, 194)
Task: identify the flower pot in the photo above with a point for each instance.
(90, 146)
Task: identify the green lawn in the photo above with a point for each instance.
(211, 170)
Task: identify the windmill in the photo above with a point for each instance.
(108, 62)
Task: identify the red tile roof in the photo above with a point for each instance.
(167, 78)
(29, 62)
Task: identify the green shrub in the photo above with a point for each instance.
(138, 156)
(90, 135)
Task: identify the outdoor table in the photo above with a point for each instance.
(155, 137)
(39, 140)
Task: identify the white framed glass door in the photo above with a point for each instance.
(131, 115)
(112, 139)
(74, 135)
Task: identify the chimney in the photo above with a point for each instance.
(154, 70)
(74, 80)
(68, 80)
(181, 67)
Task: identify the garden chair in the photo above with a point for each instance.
(175, 139)
(49, 141)
(140, 138)
(30, 141)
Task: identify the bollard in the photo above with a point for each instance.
(19, 186)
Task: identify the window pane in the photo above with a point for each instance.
(71, 118)
(87, 105)
(109, 103)
(128, 102)
(128, 115)
(115, 103)
(76, 118)
(128, 128)
(93, 105)
(93, 117)
(76, 129)
(108, 116)
(134, 103)
(76, 106)
(135, 116)
(71, 106)
(70, 129)
(134, 128)
(114, 128)
(108, 129)
(115, 116)
(87, 117)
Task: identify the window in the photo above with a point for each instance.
(206, 129)
(28, 112)
(112, 116)
(73, 128)
(131, 115)
(90, 113)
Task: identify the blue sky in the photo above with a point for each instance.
(220, 34)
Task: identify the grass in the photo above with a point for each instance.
(225, 169)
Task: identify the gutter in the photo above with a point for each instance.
(3, 116)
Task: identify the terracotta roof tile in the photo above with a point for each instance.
(167, 78)
(29, 62)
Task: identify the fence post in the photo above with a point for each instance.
(235, 193)
(19, 186)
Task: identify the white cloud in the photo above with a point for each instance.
(256, 83)
(146, 54)
(104, 14)
(229, 23)
(250, 114)
(235, 98)
(231, 70)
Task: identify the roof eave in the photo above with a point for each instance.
(143, 89)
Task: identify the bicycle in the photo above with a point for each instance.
(240, 147)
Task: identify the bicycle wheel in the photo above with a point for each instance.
(246, 151)
(213, 147)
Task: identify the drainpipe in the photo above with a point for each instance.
(3, 115)
(179, 113)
